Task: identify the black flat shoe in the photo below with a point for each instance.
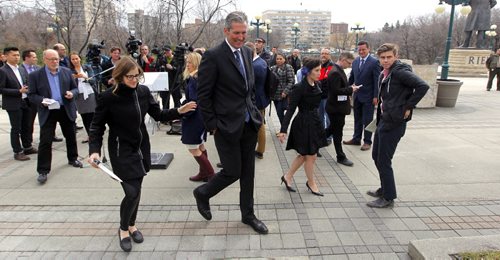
(202, 204)
(136, 236)
(257, 225)
(318, 193)
(381, 203)
(375, 193)
(42, 178)
(76, 164)
(288, 187)
(125, 243)
(345, 162)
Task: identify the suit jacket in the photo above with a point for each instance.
(223, 95)
(337, 85)
(9, 88)
(39, 89)
(366, 76)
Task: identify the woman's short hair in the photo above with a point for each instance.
(122, 67)
(311, 63)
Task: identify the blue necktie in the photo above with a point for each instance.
(241, 68)
(362, 63)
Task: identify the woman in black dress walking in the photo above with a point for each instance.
(307, 134)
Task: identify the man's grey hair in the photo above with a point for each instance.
(45, 52)
(235, 17)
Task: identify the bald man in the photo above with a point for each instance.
(61, 51)
(54, 83)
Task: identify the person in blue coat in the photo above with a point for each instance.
(194, 133)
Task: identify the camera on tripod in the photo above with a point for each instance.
(94, 53)
(133, 45)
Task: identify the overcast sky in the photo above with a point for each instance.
(371, 13)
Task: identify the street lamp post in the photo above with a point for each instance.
(440, 9)
(492, 33)
(268, 30)
(296, 30)
(257, 23)
(358, 29)
(55, 26)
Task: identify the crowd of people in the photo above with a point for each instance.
(227, 91)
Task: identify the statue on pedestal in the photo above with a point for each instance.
(478, 20)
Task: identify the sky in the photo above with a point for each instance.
(372, 14)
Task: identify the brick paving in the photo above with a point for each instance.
(336, 226)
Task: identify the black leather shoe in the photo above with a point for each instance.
(381, 203)
(136, 236)
(257, 225)
(259, 155)
(78, 127)
(375, 193)
(57, 139)
(125, 243)
(219, 165)
(319, 155)
(42, 178)
(31, 151)
(288, 187)
(76, 164)
(345, 162)
(202, 204)
(317, 193)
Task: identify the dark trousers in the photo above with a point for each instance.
(492, 74)
(87, 120)
(47, 131)
(130, 203)
(384, 147)
(238, 157)
(165, 99)
(336, 128)
(176, 95)
(20, 123)
(363, 116)
(281, 106)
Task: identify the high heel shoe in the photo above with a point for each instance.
(317, 193)
(289, 188)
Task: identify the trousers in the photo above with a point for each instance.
(336, 128)
(130, 203)
(363, 116)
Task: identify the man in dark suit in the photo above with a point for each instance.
(365, 73)
(226, 98)
(54, 83)
(14, 89)
(30, 65)
(337, 103)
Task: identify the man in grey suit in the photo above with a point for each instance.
(30, 65)
(14, 89)
(54, 83)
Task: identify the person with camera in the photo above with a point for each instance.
(86, 100)
(123, 109)
(106, 78)
(166, 63)
(146, 61)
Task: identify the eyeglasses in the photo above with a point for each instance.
(52, 59)
(131, 77)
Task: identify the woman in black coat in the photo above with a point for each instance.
(337, 104)
(123, 109)
(307, 133)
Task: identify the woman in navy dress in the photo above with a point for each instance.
(193, 129)
(307, 134)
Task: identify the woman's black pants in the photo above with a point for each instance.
(130, 203)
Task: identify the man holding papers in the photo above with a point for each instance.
(54, 91)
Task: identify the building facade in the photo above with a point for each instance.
(314, 27)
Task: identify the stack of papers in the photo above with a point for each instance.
(51, 103)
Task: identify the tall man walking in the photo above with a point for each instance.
(226, 98)
(56, 83)
(364, 74)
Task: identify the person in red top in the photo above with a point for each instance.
(145, 60)
(326, 66)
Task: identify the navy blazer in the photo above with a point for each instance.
(224, 97)
(9, 88)
(367, 76)
(39, 89)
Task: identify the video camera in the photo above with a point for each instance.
(94, 53)
(133, 45)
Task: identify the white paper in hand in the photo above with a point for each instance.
(372, 126)
(52, 104)
(107, 171)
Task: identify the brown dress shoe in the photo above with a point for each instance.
(366, 147)
(351, 142)
(21, 157)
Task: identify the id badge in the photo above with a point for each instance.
(341, 98)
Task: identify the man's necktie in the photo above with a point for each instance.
(362, 63)
(241, 68)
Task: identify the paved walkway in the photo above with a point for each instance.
(446, 170)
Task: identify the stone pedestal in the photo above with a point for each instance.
(468, 62)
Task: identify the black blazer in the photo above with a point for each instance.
(223, 96)
(39, 89)
(9, 88)
(337, 85)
